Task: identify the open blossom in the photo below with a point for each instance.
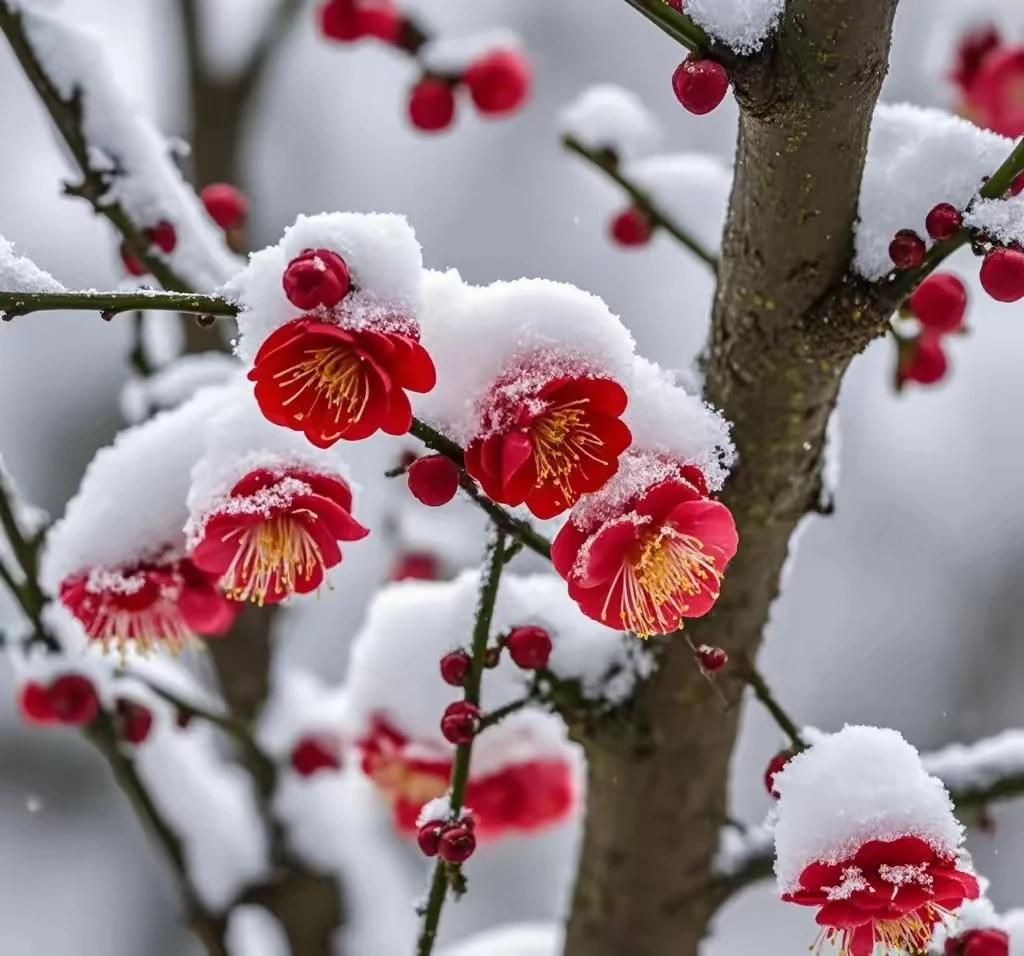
(546, 441)
(990, 77)
(276, 533)
(332, 382)
(650, 554)
(521, 797)
(148, 603)
(889, 893)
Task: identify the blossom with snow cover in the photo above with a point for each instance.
(266, 509)
(117, 559)
(869, 838)
(525, 774)
(341, 368)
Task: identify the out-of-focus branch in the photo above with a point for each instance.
(609, 165)
(67, 116)
(109, 304)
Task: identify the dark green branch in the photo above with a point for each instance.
(677, 25)
(609, 165)
(752, 677)
(109, 304)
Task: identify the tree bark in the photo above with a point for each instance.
(788, 319)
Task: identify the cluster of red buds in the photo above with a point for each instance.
(528, 646)
(453, 841)
(71, 700)
(314, 753)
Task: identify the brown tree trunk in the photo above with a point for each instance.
(787, 322)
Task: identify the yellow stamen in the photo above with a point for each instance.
(273, 555)
(668, 568)
(400, 781)
(161, 623)
(337, 377)
(910, 934)
(562, 445)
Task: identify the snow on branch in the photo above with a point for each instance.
(128, 173)
(20, 274)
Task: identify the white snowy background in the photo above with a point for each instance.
(900, 610)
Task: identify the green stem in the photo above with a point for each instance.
(13, 304)
(446, 873)
(677, 25)
(753, 678)
(641, 200)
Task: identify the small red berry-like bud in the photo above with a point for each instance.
(454, 668)
(529, 647)
(675, 4)
(415, 567)
(163, 236)
(712, 659)
(1017, 186)
(943, 221)
(457, 843)
(498, 82)
(925, 361)
(318, 277)
(134, 722)
(433, 480)
(431, 105)
(939, 302)
(979, 942)
(35, 705)
(1002, 274)
(631, 227)
(74, 700)
(700, 85)
(775, 766)
(226, 205)
(182, 719)
(428, 837)
(906, 249)
(315, 753)
(379, 20)
(348, 20)
(133, 265)
(460, 722)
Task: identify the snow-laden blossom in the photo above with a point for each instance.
(649, 550)
(523, 796)
(276, 533)
(152, 602)
(866, 836)
(548, 438)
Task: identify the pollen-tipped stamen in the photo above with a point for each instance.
(562, 443)
(335, 374)
(160, 624)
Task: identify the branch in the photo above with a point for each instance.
(109, 304)
(449, 874)
(609, 165)
(680, 27)
(745, 671)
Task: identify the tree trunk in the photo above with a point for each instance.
(787, 321)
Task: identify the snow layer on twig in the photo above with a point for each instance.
(861, 784)
(964, 768)
(916, 159)
(609, 117)
(743, 25)
(20, 274)
(126, 144)
(380, 250)
(1002, 219)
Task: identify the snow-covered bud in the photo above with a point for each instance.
(318, 277)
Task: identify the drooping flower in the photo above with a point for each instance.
(889, 893)
(994, 99)
(521, 797)
(648, 551)
(334, 382)
(167, 602)
(547, 440)
(276, 533)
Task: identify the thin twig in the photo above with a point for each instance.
(642, 200)
(447, 873)
(678, 26)
(745, 670)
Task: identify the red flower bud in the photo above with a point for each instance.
(943, 221)
(1002, 274)
(498, 82)
(134, 722)
(939, 302)
(226, 205)
(74, 700)
(529, 647)
(906, 249)
(979, 942)
(415, 567)
(318, 277)
(433, 480)
(431, 105)
(35, 704)
(315, 753)
(460, 722)
(925, 362)
(631, 227)
(428, 837)
(712, 659)
(454, 668)
(457, 843)
(775, 766)
(700, 85)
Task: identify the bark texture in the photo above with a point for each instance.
(787, 321)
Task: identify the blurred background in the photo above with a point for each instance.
(899, 610)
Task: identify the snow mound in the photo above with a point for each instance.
(19, 274)
(524, 939)
(742, 25)
(609, 117)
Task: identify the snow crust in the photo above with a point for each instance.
(125, 142)
(174, 384)
(523, 939)
(690, 189)
(19, 274)
(967, 767)
(861, 784)
(380, 250)
(1002, 219)
(451, 55)
(916, 159)
(743, 25)
(609, 117)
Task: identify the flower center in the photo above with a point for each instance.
(161, 622)
(335, 375)
(271, 558)
(910, 934)
(563, 444)
(668, 568)
(400, 781)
